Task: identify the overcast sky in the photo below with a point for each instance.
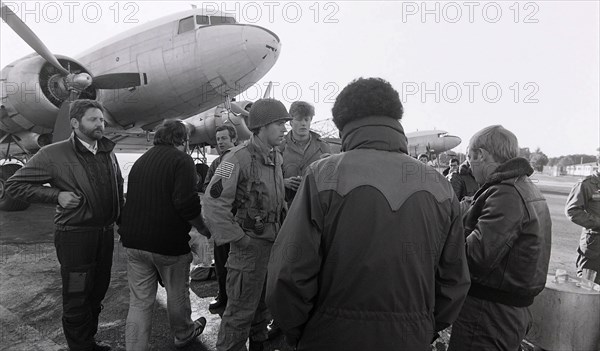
(459, 66)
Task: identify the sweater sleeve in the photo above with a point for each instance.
(185, 198)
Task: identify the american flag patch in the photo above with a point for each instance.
(225, 169)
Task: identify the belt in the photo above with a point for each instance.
(66, 228)
(273, 217)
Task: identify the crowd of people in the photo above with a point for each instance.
(365, 249)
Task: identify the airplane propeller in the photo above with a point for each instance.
(29, 37)
(74, 83)
(268, 91)
(242, 108)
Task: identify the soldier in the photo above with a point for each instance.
(300, 148)
(250, 180)
(583, 208)
(226, 136)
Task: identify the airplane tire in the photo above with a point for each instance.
(7, 203)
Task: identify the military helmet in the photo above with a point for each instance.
(266, 111)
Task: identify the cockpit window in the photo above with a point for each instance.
(202, 20)
(221, 20)
(186, 24)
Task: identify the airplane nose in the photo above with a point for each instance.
(451, 141)
(262, 45)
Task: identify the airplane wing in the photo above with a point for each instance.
(130, 142)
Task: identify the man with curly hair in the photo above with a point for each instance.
(372, 251)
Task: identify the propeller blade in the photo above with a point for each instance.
(62, 125)
(29, 37)
(117, 81)
(268, 91)
(241, 108)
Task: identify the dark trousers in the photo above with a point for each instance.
(221, 254)
(485, 325)
(589, 263)
(85, 258)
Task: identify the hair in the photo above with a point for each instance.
(229, 128)
(365, 97)
(302, 109)
(454, 160)
(501, 143)
(171, 132)
(79, 107)
(422, 155)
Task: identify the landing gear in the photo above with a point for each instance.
(201, 166)
(7, 203)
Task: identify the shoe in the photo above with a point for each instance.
(100, 346)
(199, 325)
(273, 330)
(256, 346)
(218, 302)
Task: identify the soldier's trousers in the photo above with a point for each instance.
(246, 313)
(85, 258)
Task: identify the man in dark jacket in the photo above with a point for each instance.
(226, 136)
(508, 230)
(371, 254)
(86, 184)
(162, 204)
(463, 182)
(583, 209)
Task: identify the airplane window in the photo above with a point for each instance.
(186, 24)
(221, 20)
(201, 20)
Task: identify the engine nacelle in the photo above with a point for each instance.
(204, 127)
(32, 91)
(33, 141)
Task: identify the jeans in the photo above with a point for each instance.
(221, 255)
(143, 268)
(85, 258)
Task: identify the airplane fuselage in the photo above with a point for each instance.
(187, 63)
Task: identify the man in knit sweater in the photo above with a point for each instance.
(162, 204)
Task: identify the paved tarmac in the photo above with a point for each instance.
(30, 288)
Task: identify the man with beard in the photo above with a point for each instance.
(86, 184)
(250, 180)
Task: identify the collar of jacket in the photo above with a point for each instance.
(595, 177)
(464, 169)
(259, 147)
(104, 144)
(374, 132)
(512, 168)
(315, 139)
(289, 137)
